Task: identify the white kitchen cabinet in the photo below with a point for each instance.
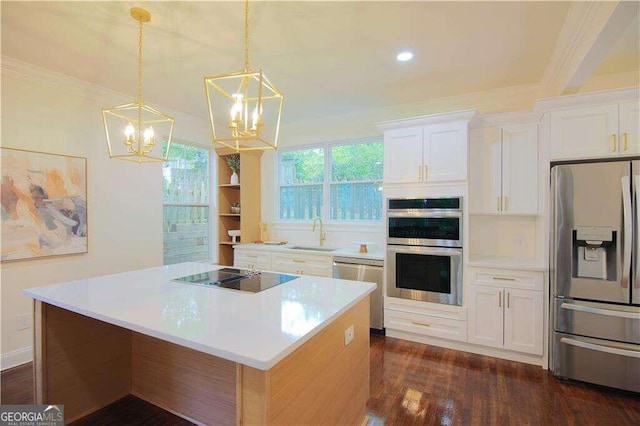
(252, 259)
(504, 170)
(522, 320)
(427, 154)
(598, 131)
(303, 264)
(403, 155)
(629, 121)
(486, 317)
(504, 315)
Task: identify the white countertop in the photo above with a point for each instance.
(255, 329)
(375, 253)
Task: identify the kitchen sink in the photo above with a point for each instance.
(310, 248)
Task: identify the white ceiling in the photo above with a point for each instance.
(328, 58)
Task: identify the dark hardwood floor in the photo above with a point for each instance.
(415, 384)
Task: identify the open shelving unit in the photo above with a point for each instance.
(246, 193)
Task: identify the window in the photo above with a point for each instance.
(186, 204)
(338, 181)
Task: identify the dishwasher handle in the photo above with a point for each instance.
(357, 261)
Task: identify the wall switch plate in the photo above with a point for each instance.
(348, 335)
(24, 321)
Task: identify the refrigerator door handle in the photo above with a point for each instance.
(628, 230)
(636, 223)
(608, 312)
(600, 348)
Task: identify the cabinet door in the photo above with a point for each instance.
(485, 316)
(629, 128)
(252, 259)
(520, 169)
(523, 321)
(302, 264)
(584, 132)
(485, 170)
(445, 152)
(403, 155)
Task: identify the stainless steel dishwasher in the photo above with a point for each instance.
(360, 269)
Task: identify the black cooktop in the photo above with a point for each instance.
(238, 279)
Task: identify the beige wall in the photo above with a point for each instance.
(55, 114)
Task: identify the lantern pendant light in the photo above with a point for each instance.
(133, 129)
(244, 107)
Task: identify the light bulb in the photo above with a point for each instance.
(129, 134)
(149, 136)
(236, 109)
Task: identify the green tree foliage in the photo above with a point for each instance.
(356, 162)
(303, 166)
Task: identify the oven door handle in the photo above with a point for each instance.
(427, 214)
(448, 252)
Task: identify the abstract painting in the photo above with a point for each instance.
(44, 204)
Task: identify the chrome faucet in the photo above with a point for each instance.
(323, 235)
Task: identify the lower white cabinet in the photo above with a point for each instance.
(426, 325)
(302, 264)
(252, 259)
(506, 317)
(283, 261)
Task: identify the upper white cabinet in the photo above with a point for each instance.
(403, 155)
(598, 131)
(629, 120)
(430, 149)
(504, 170)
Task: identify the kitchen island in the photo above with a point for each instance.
(208, 354)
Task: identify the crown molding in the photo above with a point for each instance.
(195, 126)
(424, 120)
(582, 26)
(587, 99)
(505, 119)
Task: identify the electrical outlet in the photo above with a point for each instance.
(24, 321)
(348, 335)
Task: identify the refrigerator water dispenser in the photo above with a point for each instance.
(594, 252)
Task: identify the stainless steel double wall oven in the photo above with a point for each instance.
(424, 249)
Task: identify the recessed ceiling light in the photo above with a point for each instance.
(404, 56)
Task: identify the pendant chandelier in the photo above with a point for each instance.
(133, 130)
(244, 107)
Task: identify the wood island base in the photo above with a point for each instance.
(87, 364)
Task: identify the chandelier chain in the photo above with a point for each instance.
(246, 35)
(139, 60)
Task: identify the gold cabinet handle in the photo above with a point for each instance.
(426, 169)
(508, 299)
(506, 204)
(253, 256)
(614, 146)
(625, 141)
(424, 324)
(504, 278)
(500, 299)
(419, 171)
(498, 203)
(299, 261)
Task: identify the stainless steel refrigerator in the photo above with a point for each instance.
(595, 277)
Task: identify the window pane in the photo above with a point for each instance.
(356, 162)
(186, 234)
(356, 201)
(300, 202)
(185, 180)
(302, 166)
(186, 175)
